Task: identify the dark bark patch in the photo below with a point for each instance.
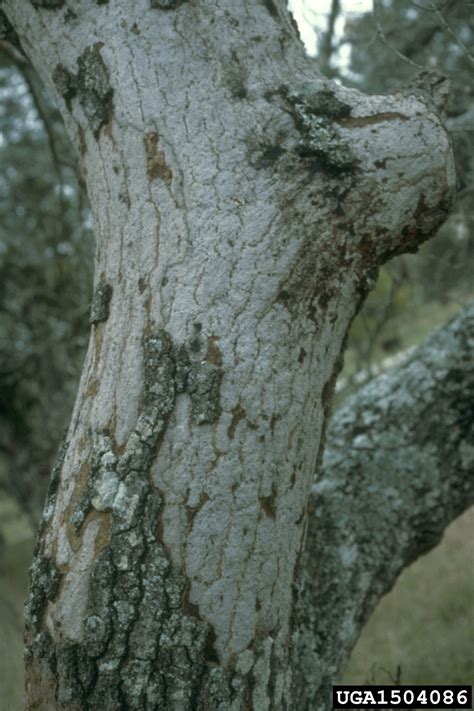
(166, 4)
(199, 378)
(273, 422)
(182, 368)
(210, 653)
(330, 385)
(66, 84)
(270, 94)
(195, 345)
(235, 77)
(319, 101)
(48, 4)
(93, 89)
(70, 15)
(156, 162)
(101, 303)
(268, 503)
(284, 296)
(271, 8)
(423, 224)
(315, 110)
(203, 386)
(8, 33)
(269, 156)
(82, 141)
(188, 607)
(238, 414)
(45, 581)
(91, 86)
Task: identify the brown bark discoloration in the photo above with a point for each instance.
(238, 414)
(156, 162)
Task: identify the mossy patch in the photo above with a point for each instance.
(315, 111)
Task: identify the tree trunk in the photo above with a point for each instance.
(242, 206)
(398, 468)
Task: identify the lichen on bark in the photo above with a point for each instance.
(137, 606)
(315, 111)
(90, 85)
(65, 82)
(93, 88)
(101, 302)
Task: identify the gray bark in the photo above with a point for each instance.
(398, 468)
(242, 206)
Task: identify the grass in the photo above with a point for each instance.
(14, 563)
(424, 318)
(425, 624)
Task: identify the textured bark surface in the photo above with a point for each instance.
(241, 208)
(398, 468)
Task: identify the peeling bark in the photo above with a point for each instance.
(398, 468)
(241, 208)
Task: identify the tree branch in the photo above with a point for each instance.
(31, 80)
(8, 34)
(327, 44)
(397, 470)
(450, 31)
(382, 34)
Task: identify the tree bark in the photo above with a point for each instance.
(242, 206)
(398, 468)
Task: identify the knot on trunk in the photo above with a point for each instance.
(405, 184)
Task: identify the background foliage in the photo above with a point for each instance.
(45, 282)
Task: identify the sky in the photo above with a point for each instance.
(311, 16)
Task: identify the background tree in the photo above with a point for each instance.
(45, 280)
